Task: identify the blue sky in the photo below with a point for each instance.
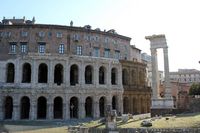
(177, 19)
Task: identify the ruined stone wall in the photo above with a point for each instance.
(137, 96)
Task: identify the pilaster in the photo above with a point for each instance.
(66, 79)
(33, 111)
(34, 73)
(16, 109)
(17, 72)
(2, 72)
(67, 109)
(1, 107)
(108, 76)
(81, 109)
(96, 75)
(50, 76)
(49, 108)
(82, 74)
(96, 113)
(120, 104)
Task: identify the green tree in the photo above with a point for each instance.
(195, 89)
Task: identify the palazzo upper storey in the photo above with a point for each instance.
(20, 37)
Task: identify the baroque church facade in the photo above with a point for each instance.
(64, 72)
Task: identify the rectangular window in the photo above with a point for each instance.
(96, 38)
(41, 34)
(76, 37)
(79, 50)
(107, 53)
(23, 47)
(49, 34)
(1, 34)
(8, 34)
(59, 35)
(13, 47)
(42, 47)
(61, 49)
(24, 33)
(96, 52)
(106, 40)
(117, 54)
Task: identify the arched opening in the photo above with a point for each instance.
(74, 107)
(88, 107)
(26, 75)
(102, 106)
(125, 77)
(41, 108)
(58, 74)
(8, 106)
(58, 108)
(102, 75)
(74, 75)
(88, 75)
(134, 106)
(114, 103)
(142, 105)
(126, 105)
(42, 73)
(25, 107)
(10, 73)
(114, 76)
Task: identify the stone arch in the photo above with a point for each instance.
(102, 106)
(74, 107)
(74, 74)
(114, 76)
(10, 73)
(102, 75)
(126, 105)
(8, 107)
(125, 77)
(26, 73)
(42, 73)
(41, 108)
(58, 108)
(25, 107)
(58, 74)
(88, 107)
(134, 105)
(114, 103)
(88, 74)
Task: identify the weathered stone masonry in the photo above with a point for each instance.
(62, 72)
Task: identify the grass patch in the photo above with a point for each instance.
(180, 121)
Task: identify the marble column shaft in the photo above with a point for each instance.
(167, 80)
(155, 75)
